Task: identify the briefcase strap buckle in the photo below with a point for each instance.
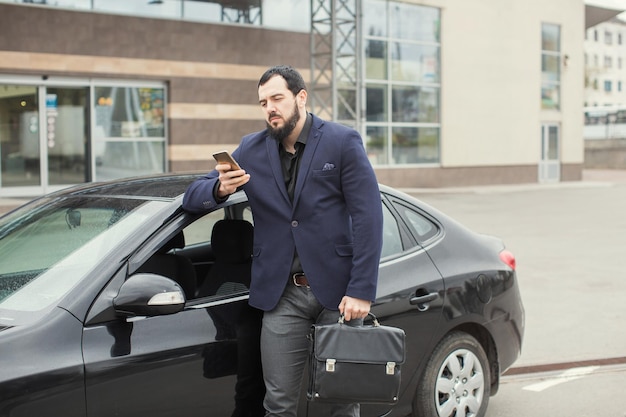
(391, 367)
(330, 365)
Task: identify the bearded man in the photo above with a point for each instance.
(317, 229)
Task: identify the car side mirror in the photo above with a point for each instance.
(149, 295)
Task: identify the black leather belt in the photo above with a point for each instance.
(299, 280)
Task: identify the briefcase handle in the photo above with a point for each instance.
(374, 319)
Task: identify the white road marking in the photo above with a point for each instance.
(565, 376)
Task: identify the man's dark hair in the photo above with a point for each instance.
(295, 82)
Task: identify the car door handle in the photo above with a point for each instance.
(421, 301)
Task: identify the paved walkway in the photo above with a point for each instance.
(569, 244)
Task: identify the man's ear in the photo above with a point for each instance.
(301, 97)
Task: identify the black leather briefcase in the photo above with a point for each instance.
(355, 364)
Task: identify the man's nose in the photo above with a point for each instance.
(270, 107)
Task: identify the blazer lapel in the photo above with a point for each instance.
(307, 157)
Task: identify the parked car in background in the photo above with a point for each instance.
(115, 302)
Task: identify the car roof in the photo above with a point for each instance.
(167, 186)
(163, 186)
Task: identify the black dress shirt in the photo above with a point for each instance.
(290, 163)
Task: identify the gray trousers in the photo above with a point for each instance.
(285, 350)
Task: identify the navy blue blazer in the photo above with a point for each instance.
(335, 220)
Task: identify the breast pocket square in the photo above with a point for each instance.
(328, 166)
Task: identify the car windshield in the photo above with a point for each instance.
(47, 247)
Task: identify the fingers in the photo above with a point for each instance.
(354, 308)
(229, 179)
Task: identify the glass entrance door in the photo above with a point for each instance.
(550, 164)
(43, 138)
(20, 159)
(59, 132)
(66, 135)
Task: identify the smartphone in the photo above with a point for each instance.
(224, 157)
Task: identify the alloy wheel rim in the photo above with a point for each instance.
(460, 385)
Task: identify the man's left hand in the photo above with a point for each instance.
(354, 308)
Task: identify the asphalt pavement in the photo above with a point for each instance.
(568, 239)
(569, 243)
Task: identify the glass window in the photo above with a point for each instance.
(414, 62)
(119, 159)
(392, 241)
(413, 22)
(19, 130)
(129, 112)
(375, 18)
(422, 228)
(376, 144)
(375, 59)
(549, 97)
(550, 66)
(129, 131)
(402, 69)
(376, 103)
(550, 37)
(71, 4)
(293, 15)
(415, 145)
(55, 244)
(67, 134)
(415, 104)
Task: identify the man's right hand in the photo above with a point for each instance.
(230, 180)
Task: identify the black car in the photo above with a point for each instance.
(115, 302)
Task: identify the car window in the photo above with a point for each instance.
(200, 230)
(47, 249)
(422, 228)
(392, 241)
(216, 244)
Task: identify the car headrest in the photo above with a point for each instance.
(231, 241)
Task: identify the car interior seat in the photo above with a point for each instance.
(176, 267)
(231, 241)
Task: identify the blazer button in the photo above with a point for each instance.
(294, 223)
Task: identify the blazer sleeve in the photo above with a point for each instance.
(362, 197)
(200, 196)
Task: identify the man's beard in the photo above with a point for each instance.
(280, 133)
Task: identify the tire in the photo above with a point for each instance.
(456, 381)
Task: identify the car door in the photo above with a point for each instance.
(410, 295)
(410, 290)
(172, 365)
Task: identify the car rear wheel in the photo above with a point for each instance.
(456, 380)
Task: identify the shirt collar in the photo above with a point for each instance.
(306, 129)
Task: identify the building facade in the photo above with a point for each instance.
(451, 93)
(605, 64)
(605, 95)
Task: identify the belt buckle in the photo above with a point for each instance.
(295, 279)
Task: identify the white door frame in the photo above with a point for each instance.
(550, 161)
